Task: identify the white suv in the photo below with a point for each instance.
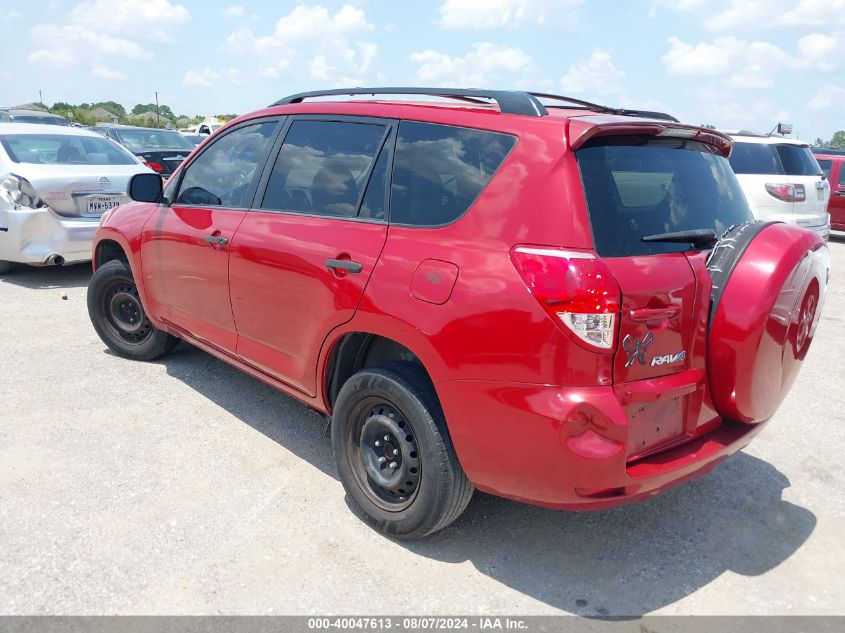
(781, 180)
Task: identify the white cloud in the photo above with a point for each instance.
(721, 15)
(102, 30)
(128, 16)
(701, 58)
(328, 43)
(483, 64)
(827, 96)
(234, 11)
(492, 14)
(741, 13)
(200, 78)
(108, 73)
(595, 75)
(812, 13)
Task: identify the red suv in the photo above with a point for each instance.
(568, 305)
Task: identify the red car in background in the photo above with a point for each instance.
(543, 298)
(832, 162)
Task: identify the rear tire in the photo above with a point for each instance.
(118, 316)
(5, 266)
(394, 455)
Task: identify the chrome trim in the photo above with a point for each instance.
(98, 192)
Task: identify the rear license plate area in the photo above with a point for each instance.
(655, 424)
(97, 205)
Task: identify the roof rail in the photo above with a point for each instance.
(510, 101)
(595, 107)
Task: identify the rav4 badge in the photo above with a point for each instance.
(668, 358)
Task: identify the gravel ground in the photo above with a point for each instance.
(186, 487)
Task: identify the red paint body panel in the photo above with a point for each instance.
(836, 206)
(284, 298)
(533, 414)
(187, 279)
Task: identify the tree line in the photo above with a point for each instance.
(84, 113)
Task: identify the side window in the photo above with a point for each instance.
(825, 164)
(842, 173)
(440, 170)
(323, 167)
(374, 198)
(222, 175)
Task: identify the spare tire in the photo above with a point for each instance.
(769, 284)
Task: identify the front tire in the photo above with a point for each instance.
(5, 266)
(118, 316)
(394, 455)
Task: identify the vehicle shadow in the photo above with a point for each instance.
(49, 277)
(626, 562)
(837, 237)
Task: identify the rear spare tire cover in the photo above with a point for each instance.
(769, 284)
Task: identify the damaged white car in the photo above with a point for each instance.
(55, 183)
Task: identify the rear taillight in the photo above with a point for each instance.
(787, 193)
(156, 167)
(576, 289)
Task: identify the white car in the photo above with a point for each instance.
(55, 183)
(781, 180)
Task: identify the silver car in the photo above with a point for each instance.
(55, 183)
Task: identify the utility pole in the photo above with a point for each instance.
(158, 117)
(40, 99)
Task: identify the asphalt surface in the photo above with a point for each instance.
(186, 487)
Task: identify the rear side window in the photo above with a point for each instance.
(825, 164)
(323, 167)
(798, 160)
(638, 186)
(755, 158)
(439, 171)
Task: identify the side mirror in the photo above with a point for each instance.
(145, 188)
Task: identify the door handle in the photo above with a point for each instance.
(216, 240)
(345, 265)
(642, 315)
(839, 193)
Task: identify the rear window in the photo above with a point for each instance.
(755, 158)
(64, 149)
(153, 140)
(35, 118)
(439, 171)
(798, 160)
(638, 186)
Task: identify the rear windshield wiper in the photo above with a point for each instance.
(700, 238)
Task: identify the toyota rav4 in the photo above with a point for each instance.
(542, 298)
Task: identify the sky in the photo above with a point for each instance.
(731, 63)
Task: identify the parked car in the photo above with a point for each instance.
(831, 162)
(781, 180)
(55, 183)
(196, 139)
(557, 304)
(160, 150)
(203, 129)
(22, 115)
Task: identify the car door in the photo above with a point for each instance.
(301, 258)
(836, 208)
(185, 243)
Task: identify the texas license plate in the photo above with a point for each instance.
(101, 204)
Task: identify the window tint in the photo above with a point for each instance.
(64, 149)
(755, 158)
(439, 170)
(825, 164)
(798, 161)
(638, 186)
(374, 198)
(322, 167)
(222, 175)
(842, 173)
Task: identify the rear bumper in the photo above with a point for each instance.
(570, 448)
(31, 236)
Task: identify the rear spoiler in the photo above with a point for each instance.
(582, 129)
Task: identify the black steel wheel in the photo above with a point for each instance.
(118, 315)
(393, 452)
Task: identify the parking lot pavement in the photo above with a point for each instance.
(184, 486)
